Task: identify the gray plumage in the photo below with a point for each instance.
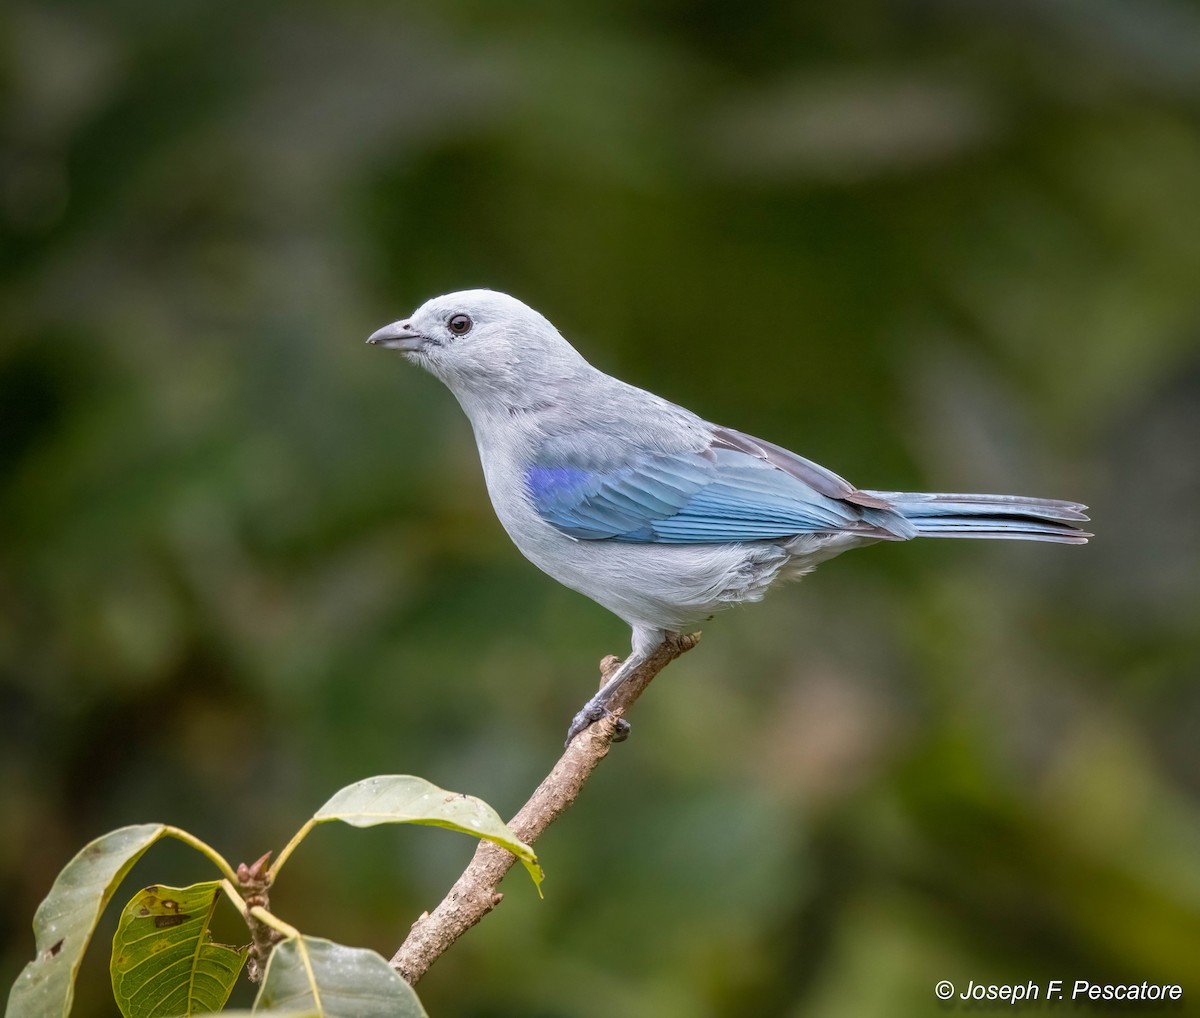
(658, 515)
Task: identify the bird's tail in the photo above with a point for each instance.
(1011, 517)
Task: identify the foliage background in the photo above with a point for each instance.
(245, 560)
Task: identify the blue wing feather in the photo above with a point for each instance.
(740, 488)
(713, 496)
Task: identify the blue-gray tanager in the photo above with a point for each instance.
(658, 515)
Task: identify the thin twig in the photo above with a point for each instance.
(474, 894)
(254, 883)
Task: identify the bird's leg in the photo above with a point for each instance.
(597, 706)
(645, 641)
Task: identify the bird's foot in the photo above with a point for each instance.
(593, 711)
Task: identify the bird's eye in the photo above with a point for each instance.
(460, 325)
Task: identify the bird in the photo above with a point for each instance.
(653, 512)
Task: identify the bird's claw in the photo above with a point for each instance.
(591, 713)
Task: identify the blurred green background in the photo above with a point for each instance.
(245, 559)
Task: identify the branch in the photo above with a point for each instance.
(474, 893)
(254, 883)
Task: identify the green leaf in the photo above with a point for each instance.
(403, 799)
(271, 1013)
(164, 961)
(66, 920)
(308, 973)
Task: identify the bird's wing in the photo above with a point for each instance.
(820, 478)
(718, 494)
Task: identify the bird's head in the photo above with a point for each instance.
(484, 345)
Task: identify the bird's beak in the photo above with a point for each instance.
(398, 336)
